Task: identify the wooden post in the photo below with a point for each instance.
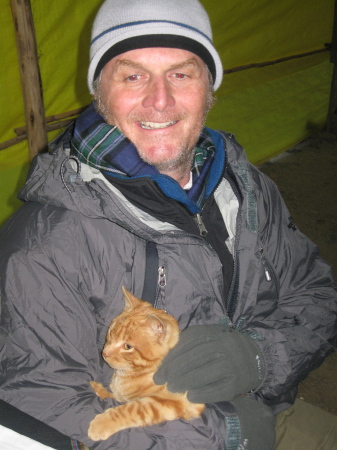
(331, 125)
(30, 76)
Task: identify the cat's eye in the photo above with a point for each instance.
(128, 347)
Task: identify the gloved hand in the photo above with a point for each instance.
(212, 363)
(257, 424)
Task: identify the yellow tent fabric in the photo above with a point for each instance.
(269, 109)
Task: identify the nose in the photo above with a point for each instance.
(159, 95)
(107, 351)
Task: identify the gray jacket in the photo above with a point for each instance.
(76, 240)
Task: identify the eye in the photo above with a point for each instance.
(128, 347)
(180, 76)
(133, 78)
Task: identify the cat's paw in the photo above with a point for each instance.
(100, 390)
(101, 427)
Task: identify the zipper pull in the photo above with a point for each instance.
(161, 286)
(161, 277)
(200, 223)
(266, 271)
(267, 274)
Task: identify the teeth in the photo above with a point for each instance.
(156, 125)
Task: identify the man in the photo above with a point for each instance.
(139, 193)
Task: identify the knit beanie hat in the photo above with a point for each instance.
(123, 25)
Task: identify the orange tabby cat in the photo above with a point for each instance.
(136, 343)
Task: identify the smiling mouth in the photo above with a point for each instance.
(156, 125)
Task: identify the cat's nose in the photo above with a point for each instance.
(106, 352)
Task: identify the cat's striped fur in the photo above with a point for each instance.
(137, 341)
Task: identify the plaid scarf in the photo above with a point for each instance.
(104, 147)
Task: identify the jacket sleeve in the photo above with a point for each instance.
(300, 331)
(56, 303)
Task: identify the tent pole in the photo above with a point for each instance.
(332, 113)
(30, 76)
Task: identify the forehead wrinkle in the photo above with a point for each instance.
(130, 63)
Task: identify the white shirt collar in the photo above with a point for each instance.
(189, 184)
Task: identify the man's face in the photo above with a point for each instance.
(159, 98)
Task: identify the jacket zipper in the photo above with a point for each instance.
(198, 216)
(203, 233)
(198, 220)
(235, 281)
(269, 272)
(230, 304)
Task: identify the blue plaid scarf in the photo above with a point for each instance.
(104, 147)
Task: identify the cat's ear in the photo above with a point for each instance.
(130, 300)
(157, 325)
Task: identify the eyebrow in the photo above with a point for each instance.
(188, 62)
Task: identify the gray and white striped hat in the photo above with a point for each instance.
(123, 25)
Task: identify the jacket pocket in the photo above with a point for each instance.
(269, 273)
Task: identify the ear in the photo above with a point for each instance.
(130, 300)
(157, 325)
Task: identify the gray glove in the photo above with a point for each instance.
(212, 363)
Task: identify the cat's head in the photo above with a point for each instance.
(140, 337)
